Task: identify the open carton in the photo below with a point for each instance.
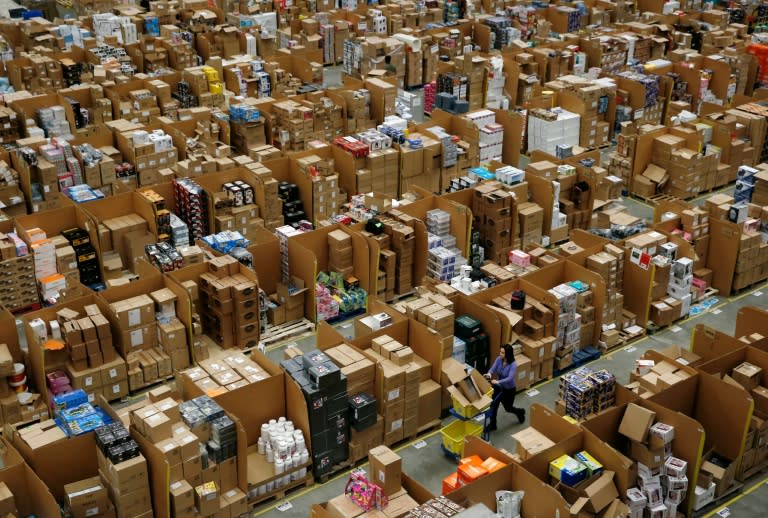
(722, 476)
(470, 393)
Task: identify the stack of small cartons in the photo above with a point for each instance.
(230, 310)
(179, 431)
(494, 212)
(234, 371)
(650, 377)
(94, 366)
(340, 253)
(123, 470)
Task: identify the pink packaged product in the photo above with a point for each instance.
(56, 379)
(519, 258)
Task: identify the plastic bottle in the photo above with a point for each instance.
(270, 453)
(279, 466)
(262, 446)
(265, 431)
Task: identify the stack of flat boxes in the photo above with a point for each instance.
(327, 116)
(232, 372)
(17, 274)
(325, 389)
(327, 198)
(617, 298)
(385, 288)
(229, 304)
(93, 364)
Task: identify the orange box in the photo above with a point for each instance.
(450, 483)
(492, 464)
(474, 459)
(468, 473)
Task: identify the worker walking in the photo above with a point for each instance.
(502, 376)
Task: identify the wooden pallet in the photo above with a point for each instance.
(751, 472)
(149, 386)
(655, 199)
(430, 426)
(281, 493)
(735, 292)
(335, 470)
(402, 297)
(282, 332)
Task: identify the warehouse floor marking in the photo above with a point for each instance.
(727, 300)
(736, 498)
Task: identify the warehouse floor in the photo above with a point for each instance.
(424, 461)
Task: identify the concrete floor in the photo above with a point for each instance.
(424, 461)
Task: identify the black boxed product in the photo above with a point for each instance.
(322, 462)
(315, 357)
(362, 411)
(324, 375)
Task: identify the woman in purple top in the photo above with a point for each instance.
(502, 376)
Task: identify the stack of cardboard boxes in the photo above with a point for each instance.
(325, 390)
(198, 483)
(17, 273)
(340, 253)
(386, 473)
(650, 445)
(230, 310)
(391, 359)
(93, 364)
(148, 152)
(494, 212)
(88, 497)
(650, 377)
(531, 217)
(231, 373)
(123, 470)
(119, 235)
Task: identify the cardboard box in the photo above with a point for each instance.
(471, 392)
(747, 375)
(386, 469)
(86, 497)
(601, 492)
(636, 422)
(530, 442)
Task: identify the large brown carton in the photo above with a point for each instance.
(386, 469)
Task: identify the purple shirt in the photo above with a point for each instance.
(505, 373)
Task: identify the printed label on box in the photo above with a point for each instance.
(393, 394)
(134, 317)
(137, 338)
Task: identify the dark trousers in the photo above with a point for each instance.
(506, 397)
